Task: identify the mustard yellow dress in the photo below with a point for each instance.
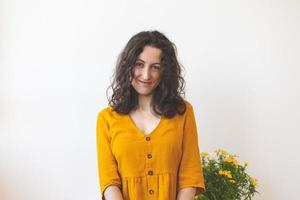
(152, 166)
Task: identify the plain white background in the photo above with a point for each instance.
(241, 62)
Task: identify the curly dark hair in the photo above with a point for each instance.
(167, 99)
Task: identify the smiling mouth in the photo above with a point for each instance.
(144, 82)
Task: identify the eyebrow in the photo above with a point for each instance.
(144, 61)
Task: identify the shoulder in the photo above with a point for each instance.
(105, 112)
(189, 106)
(187, 103)
(108, 113)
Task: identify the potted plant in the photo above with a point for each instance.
(226, 178)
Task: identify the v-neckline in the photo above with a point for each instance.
(142, 132)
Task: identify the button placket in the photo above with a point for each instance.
(151, 191)
(148, 155)
(152, 186)
(150, 174)
(148, 138)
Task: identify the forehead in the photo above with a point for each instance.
(150, 54)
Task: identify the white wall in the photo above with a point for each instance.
(241, 70)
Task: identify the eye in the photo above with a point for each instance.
(156, 67)
(138, 64)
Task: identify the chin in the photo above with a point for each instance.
(145, 93)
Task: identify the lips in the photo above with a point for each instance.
(144, 84)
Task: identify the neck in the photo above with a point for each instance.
(145, 103)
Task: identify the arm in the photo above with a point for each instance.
(190, 174)
(110, 181)
(186, 193)
(113, 193)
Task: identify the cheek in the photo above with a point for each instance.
(135, 73)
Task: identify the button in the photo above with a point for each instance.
(151, 191)
(150, 173)
(149, 156)
(148, 138)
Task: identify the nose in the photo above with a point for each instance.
(146, 73)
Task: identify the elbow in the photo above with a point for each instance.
(112, 192)
(186, 193)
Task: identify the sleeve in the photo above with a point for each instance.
(190, 172)
(107, 164)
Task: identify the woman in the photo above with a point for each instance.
(147, 139)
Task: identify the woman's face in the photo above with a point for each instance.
(147, 71)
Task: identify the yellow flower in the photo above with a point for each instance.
(221, 152)
(253, 181)
(245, 164)
(226, 173)
(231, 160)
(232, 181)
